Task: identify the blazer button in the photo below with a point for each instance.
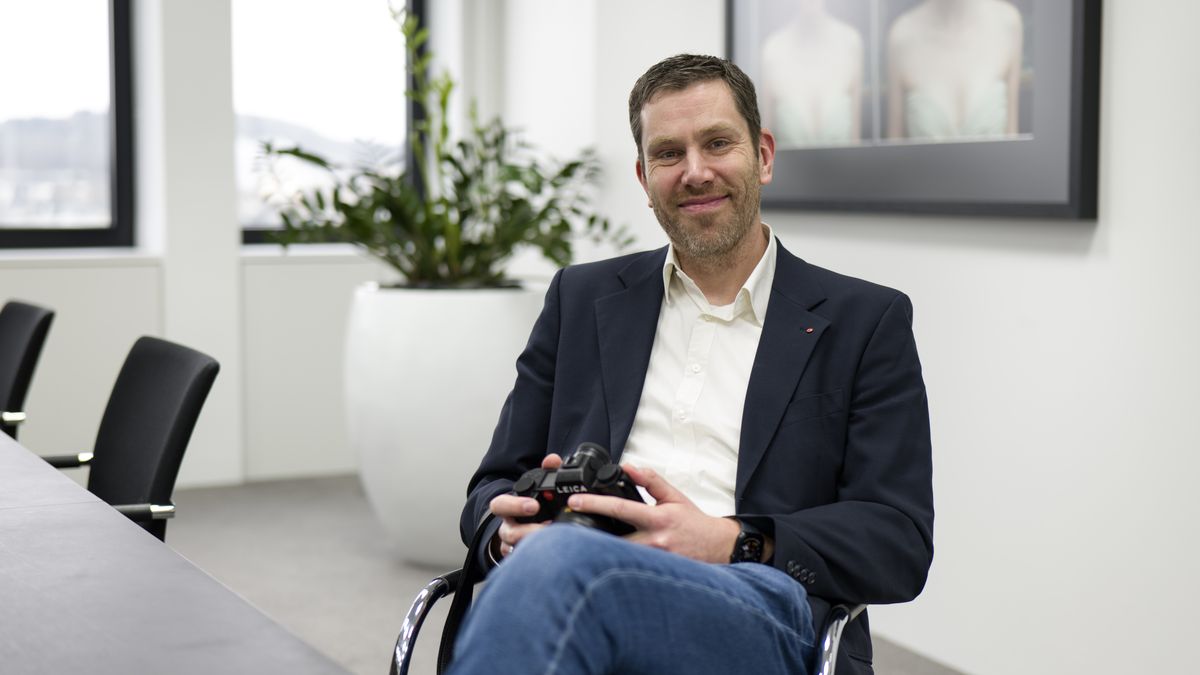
(812, 577)
(791, 567)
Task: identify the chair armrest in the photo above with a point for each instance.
(436, 589)
(69, 461)
(835, 623)
(11, 418)
(144, 513)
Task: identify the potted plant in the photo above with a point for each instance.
(429, 359)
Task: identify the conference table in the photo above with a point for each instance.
(85, 590)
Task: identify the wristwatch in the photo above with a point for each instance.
(749, 544)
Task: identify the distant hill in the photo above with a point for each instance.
(55, 171)
(81, 141)
(263, 128)
(76, 142)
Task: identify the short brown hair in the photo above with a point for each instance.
(682, 71)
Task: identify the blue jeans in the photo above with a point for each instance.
(573, 600)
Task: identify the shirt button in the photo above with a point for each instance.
(696, 368)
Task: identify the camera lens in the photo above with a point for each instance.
(588, 453)
(609, 473)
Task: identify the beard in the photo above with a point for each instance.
(711, 237)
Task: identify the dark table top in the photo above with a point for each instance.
(83, 589)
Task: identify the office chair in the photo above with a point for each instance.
(461, 583)
(23, 329)
(145, 430)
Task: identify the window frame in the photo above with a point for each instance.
(120, 231)
(256, 234)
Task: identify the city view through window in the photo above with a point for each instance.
(55, 136)
(331, 82)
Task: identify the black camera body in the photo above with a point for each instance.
(588, 469)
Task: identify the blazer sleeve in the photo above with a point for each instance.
(520, 440)
(874, 543)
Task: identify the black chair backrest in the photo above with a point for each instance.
(148, 422)
(23, 329)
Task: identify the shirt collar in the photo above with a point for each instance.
(756, 290)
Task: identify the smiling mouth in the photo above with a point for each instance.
(703, 204)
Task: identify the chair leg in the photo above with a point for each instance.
(157, 528)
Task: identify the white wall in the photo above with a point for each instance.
(188, 201)
(1059, 357)
(294, 318)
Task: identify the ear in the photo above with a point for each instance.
(640, 169)
(766, 156)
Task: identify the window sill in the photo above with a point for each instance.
(76, 258)
(303, 254)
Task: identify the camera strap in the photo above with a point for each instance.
(473, 572)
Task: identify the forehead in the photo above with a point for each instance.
(702, 105)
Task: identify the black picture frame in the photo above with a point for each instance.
(1049, 169)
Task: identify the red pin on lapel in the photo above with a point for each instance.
(808, 330)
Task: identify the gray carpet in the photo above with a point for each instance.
(310, 554)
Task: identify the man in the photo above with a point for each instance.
(731, 379)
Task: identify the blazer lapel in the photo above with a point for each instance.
(790, 333)
(625, 324)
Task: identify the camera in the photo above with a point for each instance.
(588, 469)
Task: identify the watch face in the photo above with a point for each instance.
(752, 548)
(749, 546)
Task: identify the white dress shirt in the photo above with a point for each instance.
(689, 419)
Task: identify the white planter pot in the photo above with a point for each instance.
(426, 373)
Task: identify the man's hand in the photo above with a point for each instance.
(674, 524)
(509, 508)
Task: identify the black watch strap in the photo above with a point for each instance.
(749, 545)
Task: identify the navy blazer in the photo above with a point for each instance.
(834, 461)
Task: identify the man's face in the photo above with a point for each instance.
(702, 173)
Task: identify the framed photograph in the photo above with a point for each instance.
(980, 107)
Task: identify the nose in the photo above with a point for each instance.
(696, 171)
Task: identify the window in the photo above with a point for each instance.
(66, 137)
(329, 77)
